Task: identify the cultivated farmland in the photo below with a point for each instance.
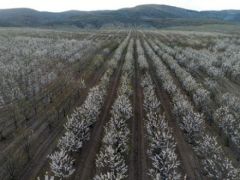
(113, 105)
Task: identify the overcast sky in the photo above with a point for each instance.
(63, 5)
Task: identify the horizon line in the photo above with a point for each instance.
(116, 9)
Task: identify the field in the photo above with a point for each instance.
(119, 104)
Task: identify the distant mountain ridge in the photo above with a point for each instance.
(149, 16)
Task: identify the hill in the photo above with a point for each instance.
(149, 16)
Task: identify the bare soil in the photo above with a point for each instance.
(86, 159)
(138, 155)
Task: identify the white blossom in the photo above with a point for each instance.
(61, 164)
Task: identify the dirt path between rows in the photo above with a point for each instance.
(190, 163)
(86, 164)
(138, 156)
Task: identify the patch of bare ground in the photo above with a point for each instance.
(138, 154)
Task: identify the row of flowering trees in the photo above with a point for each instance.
(111, 158)
(200, 96)
(110, 162)
(161, 146)
(216, 57)
(77, 127)
(199, 60)
(226, 116)
(27, 64)
(215, 163)
(33, 72)
(227, 52)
